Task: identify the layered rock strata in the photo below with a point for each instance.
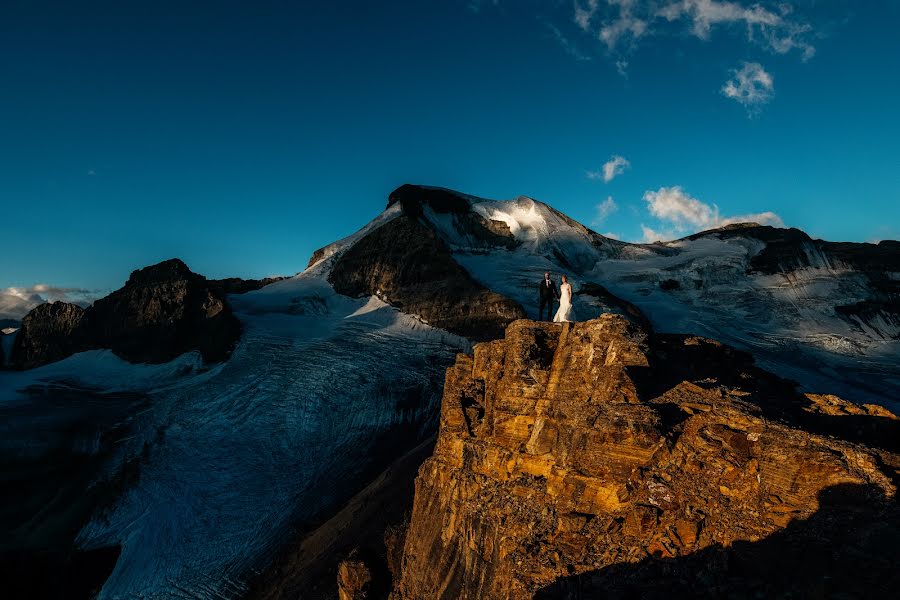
(597, 460)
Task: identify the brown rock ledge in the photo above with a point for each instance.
(595, 460)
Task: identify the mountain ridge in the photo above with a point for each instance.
(322, 388)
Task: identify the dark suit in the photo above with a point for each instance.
(548, 295)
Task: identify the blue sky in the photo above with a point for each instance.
(241, 136)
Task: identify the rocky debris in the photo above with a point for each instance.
(596, 459)
(406, 264)
(162, 311)
(49, 332)
(354, 579)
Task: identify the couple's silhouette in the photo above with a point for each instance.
(549, 294)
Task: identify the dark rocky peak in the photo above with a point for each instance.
(167, 271)
(406, 263)
(468, 228)
(764, 233)
(164, 310)
(413, 198)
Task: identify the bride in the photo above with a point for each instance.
(565, 302)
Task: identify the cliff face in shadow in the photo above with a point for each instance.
(596, 458)
(406, 264)
(161, 312)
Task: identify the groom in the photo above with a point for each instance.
(548, 295)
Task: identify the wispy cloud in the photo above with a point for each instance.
(774, 27)
(615, 166)
(584, 13)
(611, 169)
(617, 28)
(620, 24)
(625, 25)
(567, 44)
(603, 210)
(680, 214)
(751, 85)
(15, 302)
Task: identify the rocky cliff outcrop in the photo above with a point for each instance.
(162, 311)
(596, 460)
(405, 263)
(49, 332)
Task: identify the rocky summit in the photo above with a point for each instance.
(599, 460)
(407, 264)
(162, 311)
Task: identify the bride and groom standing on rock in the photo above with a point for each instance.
(549, 294)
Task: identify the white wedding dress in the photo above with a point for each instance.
(565, 304)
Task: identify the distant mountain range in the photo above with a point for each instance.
(267, 405)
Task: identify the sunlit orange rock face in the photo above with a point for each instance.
(598, 460)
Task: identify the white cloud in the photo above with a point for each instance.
(625, 25)
(584, 13)
(612, 168)
(603, 210)
(772, 27)
(616, 165)
(15, 302)
(612, 235)
(751, 85)
(620, 24)
(674, 205)
(682, 214)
